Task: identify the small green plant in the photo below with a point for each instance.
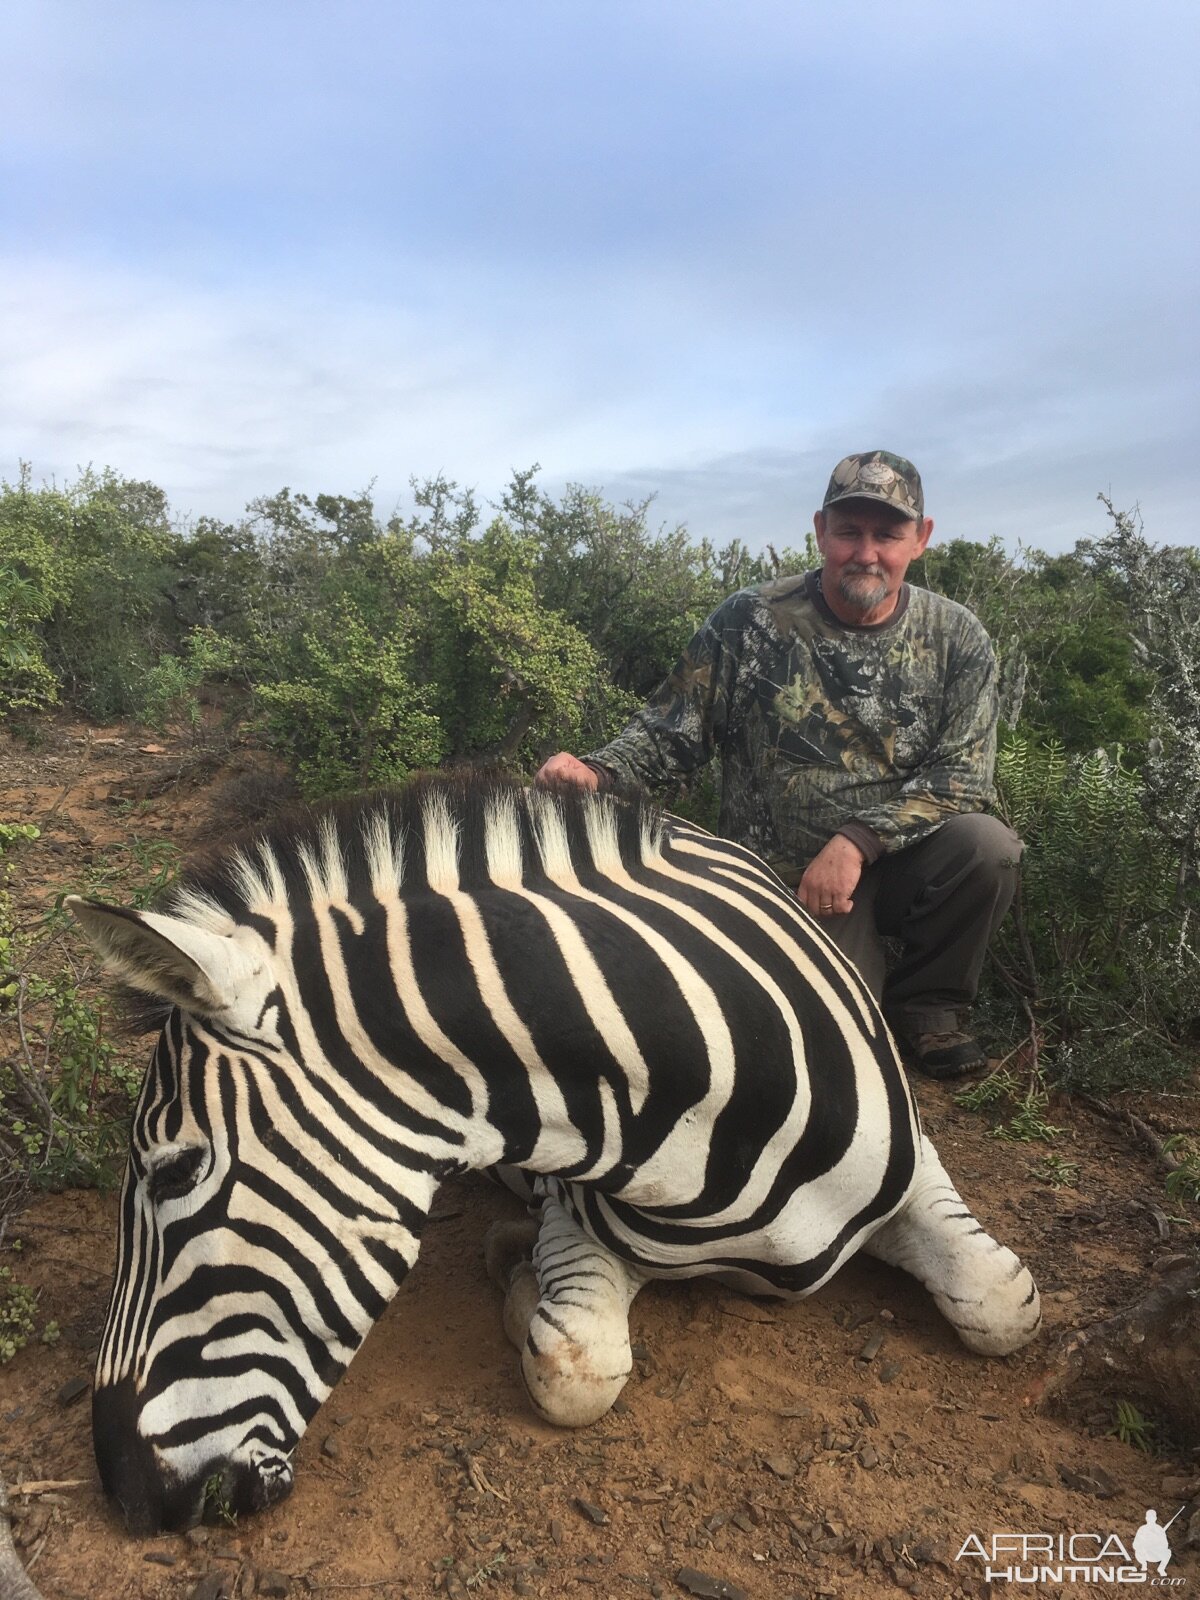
(484, 1574)
(14, 832)
(1057, 1172)
(1027, 1120)
(18, 1305)
(1184, 1181)
(217, 1505)
(135, 873)
(997, 1086)
(1131, 1427)
(171, 687)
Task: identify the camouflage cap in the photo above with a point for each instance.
(878, 475)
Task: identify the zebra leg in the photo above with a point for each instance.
(978, 1284)
(567, 1311)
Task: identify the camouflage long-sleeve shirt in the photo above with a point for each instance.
(879, 732)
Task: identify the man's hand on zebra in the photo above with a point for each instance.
(828, 885)
(566, 768)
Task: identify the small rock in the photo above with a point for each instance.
(868, 1458)
(1092, 1480)
(274, 1584)
(197, 1537)
(904, 1578)
(1172, 1263)
(890, 1371)
(872, 1347)
(708, 1587)
(346, 1416)
(331, 1447)
(556, 1530)
(74, 1389)
(865, 1410)
(212, 1586)
(783, 1466)
(430, 1419)
(592, 1512)
(161, 1558)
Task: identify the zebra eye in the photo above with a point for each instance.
(175, 1174)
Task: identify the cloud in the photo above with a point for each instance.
(690, 250)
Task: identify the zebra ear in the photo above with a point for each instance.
(165, 956)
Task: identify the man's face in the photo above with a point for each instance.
(867, 548)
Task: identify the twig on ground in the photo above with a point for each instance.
(47, 1485)
(366, 1583)
(1142, 1131)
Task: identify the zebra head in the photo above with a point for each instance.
(261, 1231)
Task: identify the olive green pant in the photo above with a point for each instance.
(943, 899)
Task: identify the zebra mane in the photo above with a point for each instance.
(439, 831)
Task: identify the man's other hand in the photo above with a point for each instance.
(828, 885)
(564, 768)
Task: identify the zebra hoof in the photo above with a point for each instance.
(565, 1384)
(505, 1246)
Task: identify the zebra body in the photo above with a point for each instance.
(460, 975)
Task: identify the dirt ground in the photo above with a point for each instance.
(844, 1446)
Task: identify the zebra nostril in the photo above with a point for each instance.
(265, 1483)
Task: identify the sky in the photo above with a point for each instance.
(684, 248)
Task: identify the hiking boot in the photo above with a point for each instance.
(942, 1055)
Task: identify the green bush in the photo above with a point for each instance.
(33, 582)
(65, 1090)
(366, 649)
(349, 714)
(95, 560)
(1096, 949)
(170, 688)
(510, 674)
(1063, 630)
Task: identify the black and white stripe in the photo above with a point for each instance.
(459, 975)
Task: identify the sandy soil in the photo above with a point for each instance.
(843, 1446)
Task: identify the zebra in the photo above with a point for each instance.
(462, 974)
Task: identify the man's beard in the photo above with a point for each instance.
(851, 587)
